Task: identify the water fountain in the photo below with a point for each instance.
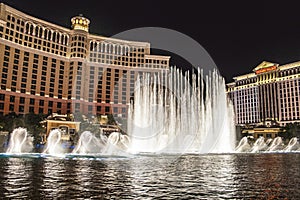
(268, 145)
(174, 113)
(54, 145)
(88, 143)
(243, 145)
(292, 145)
(117, 143)
(259, 145)
(276, 145)
(20, 141)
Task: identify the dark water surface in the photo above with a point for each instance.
(233, 176)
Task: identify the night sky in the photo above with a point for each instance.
(238, 35)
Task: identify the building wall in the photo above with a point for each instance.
(47, 68)
(246, 106)
(270, 95)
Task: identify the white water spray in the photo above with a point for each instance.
(173, 113)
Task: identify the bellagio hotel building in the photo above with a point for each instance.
(271, 93)
(46, 68)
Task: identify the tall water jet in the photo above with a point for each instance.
(88, 143)
(20, 141)
(173, 113)
(53, 145)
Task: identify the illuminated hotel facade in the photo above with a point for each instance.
(270, 94)
(46, 68)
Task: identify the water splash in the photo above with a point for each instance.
(243, 145)
(292, 145)
(20, 141)
(88, 143)
(117, 144)
(173, 113)
(263, 145)
(259, 145)
(276, 145)
(54, 145)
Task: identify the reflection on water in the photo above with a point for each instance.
(16, 178)
(235, 176)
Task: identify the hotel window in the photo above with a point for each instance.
(41, 103)
(21, 108)
(12, 99)
(31, 101)
(11, 107)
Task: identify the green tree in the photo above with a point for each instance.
(291, 130)
(29, 121)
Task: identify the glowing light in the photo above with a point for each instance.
(266, 70)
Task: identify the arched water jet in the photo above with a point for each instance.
(292, 145)
(124, 141)
(269, 141)
(113, 138)
(259, 145)
(243, 145)
(117, 143)
(276, 145)
(20, 141)
(88, 143)
(53, 145)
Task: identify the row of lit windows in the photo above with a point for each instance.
(289, 72)
(290, 116)
(121, 61)
(36, 36)
(99, 109)
(31, 101)
(116, 49)
(25, 71)
(31, 109)
(39, 44)
(269, 76)
(248, 118)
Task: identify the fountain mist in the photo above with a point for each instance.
(173, 113)
(20, 141)
(54, 143)
(88, 143)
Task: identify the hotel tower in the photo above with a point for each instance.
(271, 93)
(46, 68)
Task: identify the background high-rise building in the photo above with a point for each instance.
(47, 68)
(270, 94)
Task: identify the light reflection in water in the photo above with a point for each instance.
(235, 176)
(55, 178)
(186, 176)
(17, 178)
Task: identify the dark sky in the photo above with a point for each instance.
(237, 34)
